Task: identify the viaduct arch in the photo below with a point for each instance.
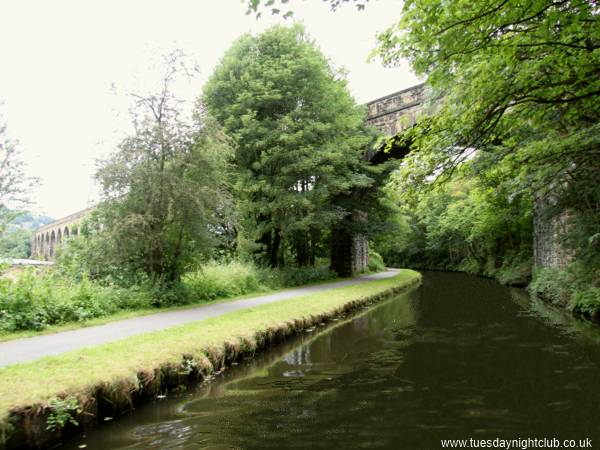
(48, 238)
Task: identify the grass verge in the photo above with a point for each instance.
(87, 385)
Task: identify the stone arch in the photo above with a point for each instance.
(59, 237)
(66, 233)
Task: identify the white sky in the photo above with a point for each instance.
(59, 60)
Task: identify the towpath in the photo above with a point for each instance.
(28, 349)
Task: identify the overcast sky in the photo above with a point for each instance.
(59, 60)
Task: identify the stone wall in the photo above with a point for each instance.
(547, 234)
(360, 253)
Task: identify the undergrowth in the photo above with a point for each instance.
(35, 300)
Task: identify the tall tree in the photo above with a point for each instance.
(300, 139)
(164, 189)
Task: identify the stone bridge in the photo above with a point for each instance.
(46, 239)
(390, 115)
(398, 111)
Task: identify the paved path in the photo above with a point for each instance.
(27, 349)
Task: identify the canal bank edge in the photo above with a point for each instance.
(84, 387)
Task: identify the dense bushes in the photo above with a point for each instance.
(33, 301)
(217, 280)
(227, 280)
(574, 287)
(464, 226)
(376, 263)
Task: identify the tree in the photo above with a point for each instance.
(300, 140)
(164, 189)
(14, 184)
(15, 243)
(519, 80)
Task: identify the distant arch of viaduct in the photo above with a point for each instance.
(48, 238)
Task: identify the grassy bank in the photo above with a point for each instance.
(86, 385)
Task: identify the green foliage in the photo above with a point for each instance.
(586, 302)
(229, 280)
(376, 263)
(299, 135)
(517, 82)
(14, 243)
(33, 301)
(575, 286)
(296, 276)
(62, 412)
(468, 226)
(517, 79)
(217, 280)
(165, 193)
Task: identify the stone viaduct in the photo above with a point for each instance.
(46, 239)
(390, 115)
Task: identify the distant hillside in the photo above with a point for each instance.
(30, 221)
(14, 243)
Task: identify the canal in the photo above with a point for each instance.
(460, 357)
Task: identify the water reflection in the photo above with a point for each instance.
(460, 357)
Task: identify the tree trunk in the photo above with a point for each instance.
(274, 256)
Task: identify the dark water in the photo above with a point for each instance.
(460, 357)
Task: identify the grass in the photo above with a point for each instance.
(128, 314)
(130, 368)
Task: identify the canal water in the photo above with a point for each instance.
(460, 357)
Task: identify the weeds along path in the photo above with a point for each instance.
(28, 349)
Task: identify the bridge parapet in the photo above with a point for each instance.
(398, 111)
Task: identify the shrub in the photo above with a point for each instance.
(33, 301)
(376, 263)
(574, 286)
(228, 280)
(222, 280)
(586, 302)
(551, 284)
(163, 294)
